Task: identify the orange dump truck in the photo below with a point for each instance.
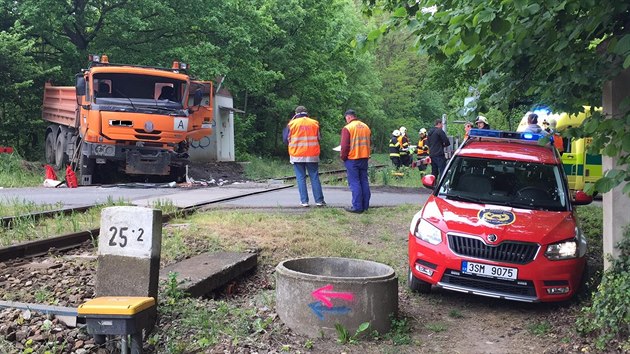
(126, 120)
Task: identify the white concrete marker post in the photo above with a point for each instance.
(129, 247)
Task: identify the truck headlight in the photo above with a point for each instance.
(425, 231)
(562, 250)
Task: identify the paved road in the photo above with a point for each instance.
(225, 195)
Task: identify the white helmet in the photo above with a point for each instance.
(396, 132)
(403, 130)
(422, 131)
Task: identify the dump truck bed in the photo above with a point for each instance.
(60, 105)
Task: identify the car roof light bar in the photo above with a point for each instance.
(523, 137)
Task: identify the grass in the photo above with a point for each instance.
(539, 328)
(412, 177)
(17, 207)
(14, 172)
(436, 327)
(263, 168)
(27, 229)
(319, 232)
(196, 325)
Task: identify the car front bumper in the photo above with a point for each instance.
(541, 280)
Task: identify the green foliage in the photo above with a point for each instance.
(557, 54)
(455, 314)
(263, 168)
(172, 293)
(19, 103)
(400, 333)
(344, 337)
(608, 317)
(436, 327)
(539, 328)
(273, 55)
(309, 344)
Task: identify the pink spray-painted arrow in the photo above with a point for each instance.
(325, 294)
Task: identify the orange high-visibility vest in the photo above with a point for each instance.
(558, 143)
(304, 140)
(359, 140)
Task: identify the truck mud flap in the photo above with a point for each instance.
(148, 164)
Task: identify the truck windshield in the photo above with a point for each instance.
(517, 184)
(138, 91)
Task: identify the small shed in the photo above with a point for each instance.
(219, 144)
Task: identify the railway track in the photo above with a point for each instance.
(76, 239)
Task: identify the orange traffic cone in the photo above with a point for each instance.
(50, 173)
(71, 178)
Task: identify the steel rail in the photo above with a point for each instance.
(9, 221)
(76, 239)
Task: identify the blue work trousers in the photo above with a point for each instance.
(359, 184)
(300, 176)
(438, 165)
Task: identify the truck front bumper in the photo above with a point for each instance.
(138, 160)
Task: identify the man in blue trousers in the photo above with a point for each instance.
(355, 153)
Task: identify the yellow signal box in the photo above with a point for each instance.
(119, 315)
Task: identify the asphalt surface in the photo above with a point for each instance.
(259, 195)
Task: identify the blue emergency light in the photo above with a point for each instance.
(486, 133)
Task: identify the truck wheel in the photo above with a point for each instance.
(61, 158)
(50, 149)
(418, 285)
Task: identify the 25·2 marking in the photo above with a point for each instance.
(121, 234)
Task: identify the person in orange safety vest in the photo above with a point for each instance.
(302, 136)
(422, 150)
(355, 153)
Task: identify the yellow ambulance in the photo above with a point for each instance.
(579, 166)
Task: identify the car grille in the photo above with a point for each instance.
(522, 288)
(507, 251)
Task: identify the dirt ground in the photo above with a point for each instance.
(226, 172)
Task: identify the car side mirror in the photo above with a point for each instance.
(582, 198)
(428, 181)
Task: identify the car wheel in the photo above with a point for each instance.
(418, 285)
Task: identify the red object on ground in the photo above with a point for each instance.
(6, 149)
(50, 173)
(71, 178)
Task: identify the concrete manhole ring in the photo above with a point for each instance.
(314, 294)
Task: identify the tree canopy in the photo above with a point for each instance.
(554, 53)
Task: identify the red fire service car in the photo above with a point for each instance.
(500, 223)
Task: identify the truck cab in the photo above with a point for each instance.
(132, 120)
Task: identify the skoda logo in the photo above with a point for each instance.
(492, 238)
(148, 126)
(496, 217)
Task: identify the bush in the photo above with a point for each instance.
(608, 317)
(15, 172)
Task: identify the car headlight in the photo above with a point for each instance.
(562, 250)
(427, 232)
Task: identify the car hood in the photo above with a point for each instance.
(506, 223)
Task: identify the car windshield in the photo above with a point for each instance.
(517, 184)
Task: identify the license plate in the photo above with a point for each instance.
(488, 270)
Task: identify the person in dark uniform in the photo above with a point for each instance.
(394, 149)
(437, 142)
